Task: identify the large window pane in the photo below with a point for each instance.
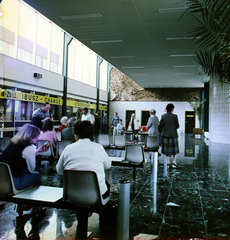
(103, 75)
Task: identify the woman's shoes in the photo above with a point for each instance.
(21, 208)
(168, 165)
(174, 165)
(38, 210)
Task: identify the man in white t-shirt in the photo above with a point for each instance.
(86, 116)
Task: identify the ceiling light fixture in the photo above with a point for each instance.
(184, 66)
(141, 74)
(122, 57)
(107, 41)
(182, 38)
(184, 55)
(71, 17)
(170, 10)
(134, 67)
(182, 74)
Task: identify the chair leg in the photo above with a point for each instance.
(82, 227)
(134, 174)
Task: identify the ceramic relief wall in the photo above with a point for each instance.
(123, 88)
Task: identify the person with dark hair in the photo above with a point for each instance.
(105, 123)
(86, 115)
(79, 154)
(67, 133)
(48, 132)
(85, 155)
(169, 124)
(20, 155)
(40, 114)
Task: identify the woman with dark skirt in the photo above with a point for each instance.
(169, 124)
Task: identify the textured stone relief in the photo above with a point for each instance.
(123, 88)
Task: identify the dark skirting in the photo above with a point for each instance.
(169, 146)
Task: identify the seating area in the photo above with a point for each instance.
(84, 197)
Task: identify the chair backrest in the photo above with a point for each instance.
(134, 153)
(4, 141)
(152, 143)
(49, 152)
(119, 140)
(6, 181)
(61, 146)
(103, 139)
(58, 136)
(82, 188)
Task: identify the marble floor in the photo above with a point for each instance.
(190, 202)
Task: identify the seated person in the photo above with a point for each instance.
(85, 154)
(48, 132)
(64, 123)
(20, 155)
(120, 127)
(67, 133)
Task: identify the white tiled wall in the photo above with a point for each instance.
(122, 106)
(219, 112)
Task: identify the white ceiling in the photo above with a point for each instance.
(140, 50)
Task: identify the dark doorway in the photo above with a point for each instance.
(128, 117)
(144, 117)
(189, 122)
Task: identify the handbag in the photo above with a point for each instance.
(160, 126)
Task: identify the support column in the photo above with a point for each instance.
(99, 61)
(108, 86)
(67, 41)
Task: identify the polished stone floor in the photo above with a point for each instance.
(189, 202)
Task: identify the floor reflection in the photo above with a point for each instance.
(191, 201)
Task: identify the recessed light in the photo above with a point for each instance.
(182, 66)
(134, 67)
(184, 55)
(182, 74)
(94, 15)
(122, 56)
(169, 10)
(140, 74)
(182, 38)
(107, 41)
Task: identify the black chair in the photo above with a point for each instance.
(82, 189)
(6, 181)
(61, 146)
(4, 141)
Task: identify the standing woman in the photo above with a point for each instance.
(169, 125)
(20, 155)
(134, 125)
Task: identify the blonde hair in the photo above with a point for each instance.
(26, 134)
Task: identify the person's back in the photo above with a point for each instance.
(152, 124)
(67, 133)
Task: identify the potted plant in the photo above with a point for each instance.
(197, 107)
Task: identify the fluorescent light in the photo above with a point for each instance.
(122, 57)
(182, 74)
(182, 38)
(134, 67)
(184, 55)
(107, 41)
(182, 66)
(170, 10)
(94, 15)
(141, 74)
